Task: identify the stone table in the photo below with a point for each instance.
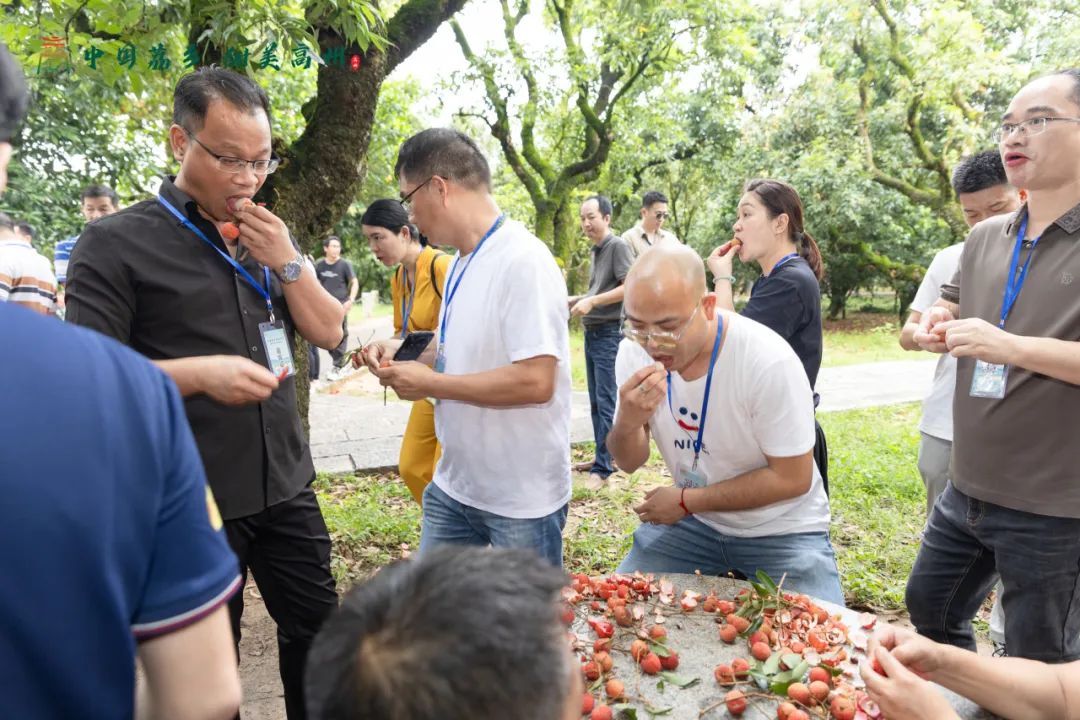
(694, 636)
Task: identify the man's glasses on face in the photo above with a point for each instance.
(661, 215)
(663, 340)
(1032, 126)
(406, 201)
(237, 165)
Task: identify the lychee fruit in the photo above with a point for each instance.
(638, 649)
(601, 712)
(604, 660)
(842, 708)
(658, 632)
(670, 662)
(760, 651)
(591, 671)
(602, 644)
(799, 693)
(650, 664)
(614, 689)
(728, 633)
(587, 704)
(724, 675)
(784, 710)
(819, 690)
(738, 622)
(736, 702)
(820, 674)
(740, 667)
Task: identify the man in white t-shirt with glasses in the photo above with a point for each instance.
(499, 365)
(730, 409)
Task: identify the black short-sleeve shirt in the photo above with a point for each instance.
(788, 300)
(143, 278)
(335, 277)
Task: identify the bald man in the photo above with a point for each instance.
(732, 413)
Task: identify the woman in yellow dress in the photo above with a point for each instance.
(416, 292)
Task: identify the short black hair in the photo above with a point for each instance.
(390, 214)
(603, 204)
(652, 197)
(100, 191)
(26, 229)
(978, 172)
(329, 239)
(14, 98)
(453, 633)
(1073, 73)
(6, 223)
(448, 153)
(195, 91)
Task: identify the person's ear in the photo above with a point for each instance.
(178, 140)
(708, 305)
(780, 224)
(442, 187)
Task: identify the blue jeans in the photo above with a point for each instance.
(601, 347)
(690, 545)
(966, 544)
(448, 522)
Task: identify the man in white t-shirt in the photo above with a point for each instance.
(983, 191)
(729, 406)
(499, 366)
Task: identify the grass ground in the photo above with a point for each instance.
(877, 501)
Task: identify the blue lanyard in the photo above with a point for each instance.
(708, 386)
(781, 262)
(265, 292)
(1014, 283)
(406, 310)
(453, 288)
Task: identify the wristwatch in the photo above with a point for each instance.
(291, 272)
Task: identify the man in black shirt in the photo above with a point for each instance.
(211, 288)
(337, 277)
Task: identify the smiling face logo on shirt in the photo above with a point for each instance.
(684, 413)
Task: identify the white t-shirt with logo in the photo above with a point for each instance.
(510, 306)
(937, 405)
(760, 404)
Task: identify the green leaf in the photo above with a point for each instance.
(767, 581)
(792, 660)
(626, 711)
(659, 648)
(679, 680)
(772, 665)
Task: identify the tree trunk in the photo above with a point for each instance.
(323, 170)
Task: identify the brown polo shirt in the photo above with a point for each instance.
(1020, 452)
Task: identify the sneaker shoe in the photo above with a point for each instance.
(595, 482)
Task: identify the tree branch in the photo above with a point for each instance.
(528, 119)
(413, 25)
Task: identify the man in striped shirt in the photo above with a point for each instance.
(25, 275)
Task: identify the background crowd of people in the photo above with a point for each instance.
(185, 463)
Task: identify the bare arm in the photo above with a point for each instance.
(1013, 687)
(191, 673)
(526, 382)
(229, 379)
(315, 312)
(725, 294)
(354, 288)
(628, 441)
(782, 479)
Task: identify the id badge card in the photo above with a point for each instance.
(690, 477)
(440, 358)
(988, 380)
(278, 354)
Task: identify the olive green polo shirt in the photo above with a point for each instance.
(1020, 452)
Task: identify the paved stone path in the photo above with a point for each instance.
(357, 432)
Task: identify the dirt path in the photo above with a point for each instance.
(263, 699)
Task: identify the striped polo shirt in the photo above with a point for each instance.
(25, 277)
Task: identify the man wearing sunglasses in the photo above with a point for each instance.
(649, 231)
(212, 288)
(729, 406)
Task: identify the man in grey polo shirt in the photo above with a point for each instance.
(1011, 317)
(601, 312)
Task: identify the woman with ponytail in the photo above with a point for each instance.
(769, 231)
(416, 292)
